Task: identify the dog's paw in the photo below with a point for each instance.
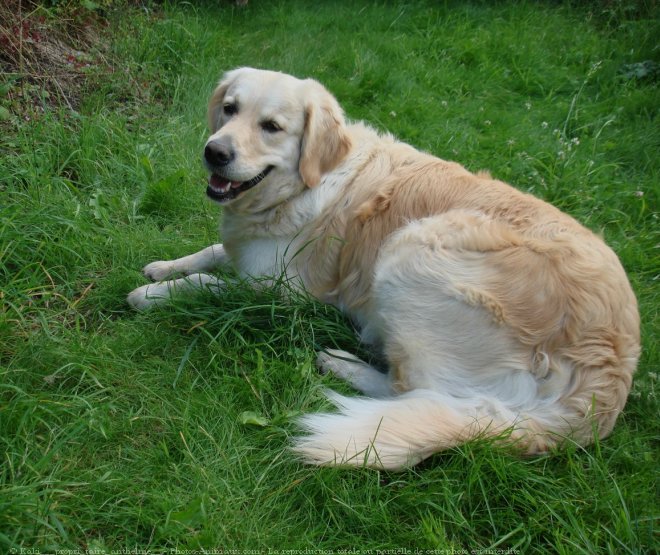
(335, 361)
(323, 362)
(147, 296)
(159, 270)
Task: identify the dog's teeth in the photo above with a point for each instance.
(219, 184)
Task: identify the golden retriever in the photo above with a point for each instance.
(499, 316)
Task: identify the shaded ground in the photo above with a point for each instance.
(47, 55)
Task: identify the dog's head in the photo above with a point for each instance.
(272, 135)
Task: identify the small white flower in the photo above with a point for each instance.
(444, 103)
(528, 105)
(393, 113)
(594, 68)
(487, 122)
(640, 194)
(511, 142)
(544, 124)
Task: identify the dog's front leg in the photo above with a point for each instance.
(193, 266)
(208, 259)
(156, 294)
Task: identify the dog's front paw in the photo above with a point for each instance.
(148, 296)
(159, 270)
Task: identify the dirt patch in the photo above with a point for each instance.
(47, 56)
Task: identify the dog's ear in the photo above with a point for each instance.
(217, 98)
(325, 140)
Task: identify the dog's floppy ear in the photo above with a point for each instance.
(325, 140)
(215, 103)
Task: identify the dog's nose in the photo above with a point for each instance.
(218, 153)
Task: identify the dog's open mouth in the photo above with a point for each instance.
(222, 189)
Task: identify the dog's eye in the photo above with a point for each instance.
(270, 126)
(229, 109)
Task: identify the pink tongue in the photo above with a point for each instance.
(217, 182)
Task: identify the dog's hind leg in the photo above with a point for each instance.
(357, 373)
(443, 328)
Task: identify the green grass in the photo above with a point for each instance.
(121, 430)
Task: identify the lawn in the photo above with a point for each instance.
(169, 430)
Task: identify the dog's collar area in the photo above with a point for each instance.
(222, 189)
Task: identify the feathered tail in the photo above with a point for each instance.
(401, 431)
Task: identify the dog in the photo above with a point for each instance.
(499, 316)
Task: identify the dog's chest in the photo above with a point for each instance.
(264, 257)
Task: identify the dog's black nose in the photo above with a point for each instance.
(218, 153)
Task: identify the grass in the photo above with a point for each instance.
(169, 430)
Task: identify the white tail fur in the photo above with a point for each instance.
(401, 431)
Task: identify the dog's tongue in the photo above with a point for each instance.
(217, 182)
(221, 184)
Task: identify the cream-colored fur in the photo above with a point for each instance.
(498, 314)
